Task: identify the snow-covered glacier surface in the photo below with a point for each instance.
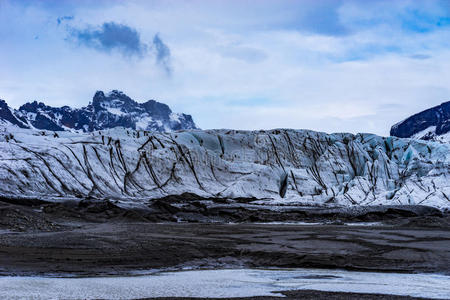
(279, 166)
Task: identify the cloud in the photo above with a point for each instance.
(162, 53)
(351, 66)
(247, 54)
(111, 36)
(410, 17)
(322, 17)
(420, 56)
(389, 107)
(366, 52)
(59, 20)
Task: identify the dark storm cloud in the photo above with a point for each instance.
(112, 36)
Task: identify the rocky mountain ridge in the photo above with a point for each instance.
(105, 111)
(431, 124)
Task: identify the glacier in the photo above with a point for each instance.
(268, 167)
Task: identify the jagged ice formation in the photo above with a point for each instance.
(267, 167)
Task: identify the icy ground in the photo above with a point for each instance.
(225, 284)
(283, 166)
(429, 134)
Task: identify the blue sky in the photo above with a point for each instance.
(327, 65)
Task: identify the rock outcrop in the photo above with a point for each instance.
(430, 124)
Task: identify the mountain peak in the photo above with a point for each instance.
(6, 115)
(32, 106)
(99, 95)
(106, 111)
(116, 93)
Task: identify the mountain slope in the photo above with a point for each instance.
(267, 167)
(8, 117)
(430, 124)
(105, 111)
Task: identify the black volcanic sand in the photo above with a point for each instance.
(94, 238)
(94, 249)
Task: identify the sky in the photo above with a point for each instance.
(326, 65)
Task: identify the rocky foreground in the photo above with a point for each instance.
(92, 239)
(94, 249)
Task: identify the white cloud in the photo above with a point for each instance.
(231, 67)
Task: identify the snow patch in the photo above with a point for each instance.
(115, 111)
(144, 123)
(174, 117)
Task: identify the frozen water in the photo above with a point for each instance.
(224, 284)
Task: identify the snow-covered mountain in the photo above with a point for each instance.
(275, 167)
(105, 111)
(431, 124)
